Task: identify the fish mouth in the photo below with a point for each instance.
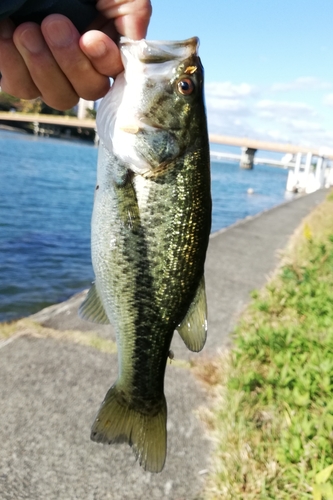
(158, 51)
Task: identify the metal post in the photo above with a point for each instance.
(329, 180)
(318, 175)
(36, 128)
(293, 181)
(323, 173)
(96, 137)
(306, 175)
(298, 166)
(307, 165)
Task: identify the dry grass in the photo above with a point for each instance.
(26, 327)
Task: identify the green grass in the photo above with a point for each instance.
(273, 419)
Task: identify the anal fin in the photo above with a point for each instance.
(193, 328)
(92, 308)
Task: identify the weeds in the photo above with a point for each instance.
(274, 419)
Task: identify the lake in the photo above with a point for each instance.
(46, 197)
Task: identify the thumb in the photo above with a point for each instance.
(131, 17)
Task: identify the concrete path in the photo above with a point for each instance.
(50, 388)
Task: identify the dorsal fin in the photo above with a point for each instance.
(92, 308)
(193, 328)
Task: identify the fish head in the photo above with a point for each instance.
(155, 110)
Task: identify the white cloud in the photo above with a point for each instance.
(228, 90)
(247, 111)
(234, 106)
(305, 126)
(274, 135)
(271, 108)
(229, 120)
(303, 83)
(228, 107)
(328, 100)
(226, 125)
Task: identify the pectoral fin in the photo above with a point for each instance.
(193, 328)
(92, 308)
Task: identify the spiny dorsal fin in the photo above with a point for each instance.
(92, 308)
(193, 328)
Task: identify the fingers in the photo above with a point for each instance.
(55, 63)
(102, 52)
(54, 87)
(48, 61)
(16, 79)
(63, 39)
(131, 17)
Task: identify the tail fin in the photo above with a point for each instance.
(118, 422)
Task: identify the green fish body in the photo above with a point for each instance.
(150, 230)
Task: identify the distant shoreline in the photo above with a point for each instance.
(63, 137)
(55, 126)
(9, 128)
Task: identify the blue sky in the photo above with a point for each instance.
(268, 64)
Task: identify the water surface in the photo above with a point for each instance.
(46, 196)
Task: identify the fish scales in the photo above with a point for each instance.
(150, 229)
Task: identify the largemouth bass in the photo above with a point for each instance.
(150, 229)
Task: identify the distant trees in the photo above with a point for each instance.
(10, 103)
(91, 113)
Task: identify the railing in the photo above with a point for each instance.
(315, 173)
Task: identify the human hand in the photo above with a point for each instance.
(53, 61)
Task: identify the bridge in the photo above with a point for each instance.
(64, 121)
(51, 125)
(302, 176)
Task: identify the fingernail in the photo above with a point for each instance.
(6, 30)
(32, 40)
(59, 33)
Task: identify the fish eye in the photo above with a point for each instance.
(185, 86)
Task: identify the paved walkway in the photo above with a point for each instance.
(50, 389)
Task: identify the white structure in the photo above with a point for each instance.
(309, 176)
(82, 107)
(315, 173)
